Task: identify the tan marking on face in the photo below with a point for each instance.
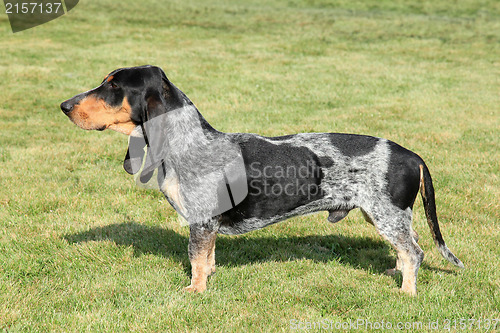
(109, 78)
(93, 113)
(124, 128)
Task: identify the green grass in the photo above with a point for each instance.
(83, 249)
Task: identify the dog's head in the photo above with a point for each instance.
(125, 101)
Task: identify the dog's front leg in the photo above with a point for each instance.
(201, 254)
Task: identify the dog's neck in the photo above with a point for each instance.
(187, 129)
(191, 117)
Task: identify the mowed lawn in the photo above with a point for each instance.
(83, 249)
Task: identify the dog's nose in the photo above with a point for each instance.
(66, 107)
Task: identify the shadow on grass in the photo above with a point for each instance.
(359, 252)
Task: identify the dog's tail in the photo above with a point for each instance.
(428, 198)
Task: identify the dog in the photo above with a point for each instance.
(233, 183)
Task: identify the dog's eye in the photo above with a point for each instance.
(113, 85)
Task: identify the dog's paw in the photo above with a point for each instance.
(194, 289)
(412, 292)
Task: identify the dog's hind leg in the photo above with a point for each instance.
(399, 264)
(394, 225)
(368, 219)
(201, 254)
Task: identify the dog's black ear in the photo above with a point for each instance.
(161, 98)
(155, 130)
(150, 134)
(135, 154)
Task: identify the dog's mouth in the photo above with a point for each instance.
(84, 125)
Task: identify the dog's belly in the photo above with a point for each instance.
(232, 225)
